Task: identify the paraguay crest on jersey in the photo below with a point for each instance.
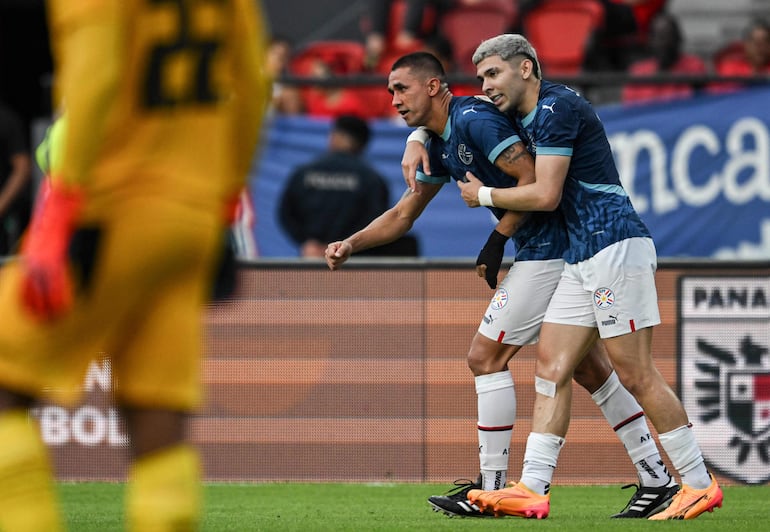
(724, 371)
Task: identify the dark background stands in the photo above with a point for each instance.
(336, 194)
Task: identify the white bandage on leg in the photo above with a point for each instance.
(682, 448)
(545, 387)
(685, 454)
(540, 459)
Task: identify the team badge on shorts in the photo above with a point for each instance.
(500, 299)
(604, 298)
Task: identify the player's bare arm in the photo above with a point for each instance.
(415, 154)
(387, 227)
(542, 195)
(516, 161)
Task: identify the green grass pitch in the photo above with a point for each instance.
(385, 507)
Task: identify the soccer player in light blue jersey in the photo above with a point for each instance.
(468, 133)
(607, 287)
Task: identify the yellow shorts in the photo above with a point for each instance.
(143, 305)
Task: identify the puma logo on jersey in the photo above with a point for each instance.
(471, 110)
(549, 107)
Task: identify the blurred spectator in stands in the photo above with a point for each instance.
(378, 29)
(625, 32)
(441, 47)
(665, 47)
(334, 195)
(523, 7)
(286, 99)
(15, 172)
(644, 12)
(333, 100)
(747, 57)
(754, 58)
(396, 27)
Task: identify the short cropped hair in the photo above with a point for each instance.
(423, 62)
(508, 46)
(354, 127)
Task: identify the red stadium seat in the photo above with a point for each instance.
(560, 31)
(396, 20)
(342, 57)
(467, 26)
(326, 59)
(730, 51)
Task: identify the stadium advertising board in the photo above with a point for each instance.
(88, 441)
(724, 371)
(698, 172)
(362, 376)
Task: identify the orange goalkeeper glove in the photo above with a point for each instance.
(46, 285)
(232, 208)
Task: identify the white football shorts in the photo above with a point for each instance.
(516, 311)
(613, 291)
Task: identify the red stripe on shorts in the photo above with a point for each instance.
(633, 327)
(500, 337)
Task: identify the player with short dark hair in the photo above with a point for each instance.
(469, 134)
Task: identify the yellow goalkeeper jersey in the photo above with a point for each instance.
(163, 97)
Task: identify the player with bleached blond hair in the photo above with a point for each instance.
(607, 287)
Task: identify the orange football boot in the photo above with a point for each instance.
(517, 500)
(689, 503)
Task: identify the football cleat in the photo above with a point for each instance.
(647, 501)
(516, 500)
(689, 503)
(455, 502)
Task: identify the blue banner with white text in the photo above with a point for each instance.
(697, 171)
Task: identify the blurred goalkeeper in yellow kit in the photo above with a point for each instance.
(164, 101)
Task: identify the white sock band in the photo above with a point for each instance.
(625, 416)
(493, 381)
(604, 392)
(540, 459)
(543, 449)
(496, 398)
(682, 448)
